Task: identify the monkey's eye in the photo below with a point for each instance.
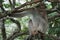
(34, 30)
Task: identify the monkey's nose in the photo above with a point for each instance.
(34, 32)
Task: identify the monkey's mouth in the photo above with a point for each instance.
(37, 34)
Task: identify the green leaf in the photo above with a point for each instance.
(6, 5)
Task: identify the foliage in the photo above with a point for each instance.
(54, 24)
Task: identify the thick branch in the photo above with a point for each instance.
(13, 11)
(25, 4)
(21, 10)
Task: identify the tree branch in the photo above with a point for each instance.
(17, 22)
(25, 4)
(16, 35)
(2, 7)
(12, 4)
(51, 18)
(3, 30)
(56, 1)
(12, 13)
(20, 34)
(50, 36)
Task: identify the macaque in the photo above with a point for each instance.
(38, 20)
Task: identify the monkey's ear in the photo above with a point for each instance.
(30, 21)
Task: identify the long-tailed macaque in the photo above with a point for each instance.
(38, 16)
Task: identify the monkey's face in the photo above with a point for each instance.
(34, 32)
(32, 29)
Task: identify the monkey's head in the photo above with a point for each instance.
(32, 29)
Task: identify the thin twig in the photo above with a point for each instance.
(17, 22)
